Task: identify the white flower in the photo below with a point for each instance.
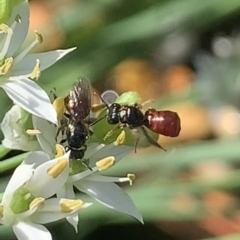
(28, 132)
(15, 135)
(16, 68)
(100, 187)
(25, 205)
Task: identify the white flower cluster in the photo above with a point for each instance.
(28, 200)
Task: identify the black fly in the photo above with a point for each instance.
(78, 106)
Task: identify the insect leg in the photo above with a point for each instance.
(136, 136)
(150, 140)
(63, 141)
(109, 134)
(62, 128)
(53, 93)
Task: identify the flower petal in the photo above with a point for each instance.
(66, 191)
(46, 139)
(36, 159)
(28, 95)
(73, 220)
(51, 211)
(21, 175)
(29, 231)
(47, 59)
(118, 152)
(44, 184)
(110, 195)
(21, 29)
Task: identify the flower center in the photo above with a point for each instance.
(21, 200)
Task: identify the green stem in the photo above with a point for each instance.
(3, 151)
(13, 162)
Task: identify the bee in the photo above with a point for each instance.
(164, 122)
(77, 110)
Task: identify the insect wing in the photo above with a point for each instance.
(109, 96)
(78, 102)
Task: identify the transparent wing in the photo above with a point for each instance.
(78, 102)
(109, 96)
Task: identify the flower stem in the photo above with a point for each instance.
(12, 162)
(3, 151)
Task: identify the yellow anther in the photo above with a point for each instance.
(59, 106)
(36, 71)
(39, 37)
(57, 168)
(97, 107)
(37, 203)
(8, 62)
(18, 18)
(105, 163)
(60, 151)
(5, 28)
(1, 211)
(120, 139)
(132, 178)
(69, 205)
(33, 132)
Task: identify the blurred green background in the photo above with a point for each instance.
(186, 55)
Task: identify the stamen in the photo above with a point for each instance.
(60, 151)
(129, 178)
(4, 28)
(33, 132)
(39, 37)
(37, 203)
(132, 178)
(68, 205)
(120, 139)
(36, 71)
(6, 66)
(18, 18)
(59, 106)
(1, 211)
(21, 55)
(57, 168)
(105, 163)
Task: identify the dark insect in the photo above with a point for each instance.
(78, 106)
(162, 122)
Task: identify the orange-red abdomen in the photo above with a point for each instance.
(164, 122)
